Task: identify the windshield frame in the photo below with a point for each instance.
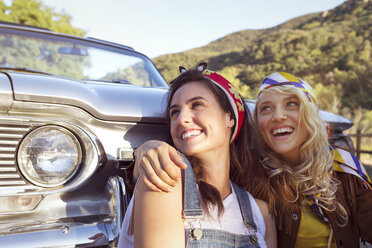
(89, 42)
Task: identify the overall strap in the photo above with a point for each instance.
(245, 206)
(191, 202)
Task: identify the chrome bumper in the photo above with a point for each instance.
(101, 229)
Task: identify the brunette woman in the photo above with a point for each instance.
(208, 123)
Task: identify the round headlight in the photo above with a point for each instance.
(49, 156)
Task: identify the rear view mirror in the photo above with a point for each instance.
(73, 51)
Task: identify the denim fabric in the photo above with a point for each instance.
(211, 237)
(245, 206)
(220, 239)
(191, 201)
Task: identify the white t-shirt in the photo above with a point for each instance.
(231, 221)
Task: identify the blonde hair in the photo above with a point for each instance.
(311, 179)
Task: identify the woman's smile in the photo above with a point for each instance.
(278, 120)
(282, 131)
(190, 134)
(197, 122)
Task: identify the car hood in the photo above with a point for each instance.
(106, 101)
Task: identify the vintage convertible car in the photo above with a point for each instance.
(72, 110)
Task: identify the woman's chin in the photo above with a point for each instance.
(188, 151)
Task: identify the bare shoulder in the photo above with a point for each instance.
(263, 206)
(158, 209)
(270, 235)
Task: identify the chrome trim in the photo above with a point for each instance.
(80, 233)
(8, 142)
(113, 225)
(16, 129)
(6, 93)
(94, 155)
(6, 163)
(7, 149)
(7, 169)
(95, 227)
(9, 176)
(53, 33)
(125, 154)
(19, 204)
(12, 182)
(11, 134)
(6, 155)
(24, 171)
(125, 197)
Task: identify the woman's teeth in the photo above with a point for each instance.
(190, 133)
(282, 131)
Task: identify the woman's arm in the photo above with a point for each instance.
(158, 217)
(158, 162)
(270, 235)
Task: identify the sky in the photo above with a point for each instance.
(157, 27)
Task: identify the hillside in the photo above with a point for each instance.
(330, 50)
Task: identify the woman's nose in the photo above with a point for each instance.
(184, 117)
(279, 114)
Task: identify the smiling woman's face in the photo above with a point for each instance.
(278, 120)
(197, 122)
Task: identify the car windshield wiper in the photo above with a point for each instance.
(117, 81)
(14, 68)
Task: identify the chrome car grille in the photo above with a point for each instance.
(10, 136)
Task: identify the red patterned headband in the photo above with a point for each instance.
(234, 99)
(231, 93)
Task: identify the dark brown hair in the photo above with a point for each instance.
(241, 156)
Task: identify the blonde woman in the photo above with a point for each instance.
(319, 195)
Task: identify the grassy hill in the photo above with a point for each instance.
(330, 50)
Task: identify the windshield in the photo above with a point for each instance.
(75, 58)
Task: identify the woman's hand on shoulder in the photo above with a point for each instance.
(159, 164)
(270, 235)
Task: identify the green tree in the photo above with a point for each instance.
(18, 51)
(329, 96)
(33, 12)
(332, 49)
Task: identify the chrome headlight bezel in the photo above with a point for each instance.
(28, 139)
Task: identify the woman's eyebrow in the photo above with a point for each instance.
(189, 100)
(263, 102)
(290, 97)
(196, 98)
(173, 106)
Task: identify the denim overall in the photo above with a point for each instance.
(204, 238)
